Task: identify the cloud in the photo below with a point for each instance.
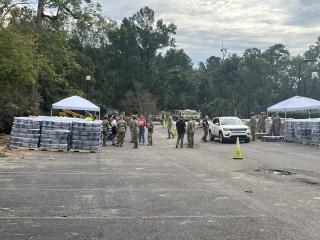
(204, 24)
(305, 13)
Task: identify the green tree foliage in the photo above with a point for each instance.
(134, 65)
(135, 45)
(16, 59)
(17, 63)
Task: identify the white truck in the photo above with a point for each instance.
(229, 128)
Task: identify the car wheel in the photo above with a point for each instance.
(221, 138)
(247, 140)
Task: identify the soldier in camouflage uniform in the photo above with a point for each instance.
(106, 126)
(131, 128)
(262, 122)
(150, 130)
(253, 126)
(121, 129)
(276, 122)
(135, 130)
(170, 125)
(190, 133)
(205, 125)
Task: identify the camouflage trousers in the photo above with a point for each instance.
(170, 133)
(277, 131)
(253, 133)
(121, 136)
(190, 137)
(262, 128)
(135, 140)
(205, 134)
(105, 138)
(131, 132)
(150, 139)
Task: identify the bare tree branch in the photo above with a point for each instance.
(10, 7)
(72, 14)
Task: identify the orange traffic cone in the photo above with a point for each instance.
(238, 150)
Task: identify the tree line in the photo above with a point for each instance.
(48, 49)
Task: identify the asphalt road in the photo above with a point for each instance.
(161, 192)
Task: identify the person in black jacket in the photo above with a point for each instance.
(181, 129)
(205, 125)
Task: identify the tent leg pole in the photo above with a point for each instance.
(51, 112)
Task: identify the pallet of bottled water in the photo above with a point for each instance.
(25, 133)
(56, 133)
(306, 131)
(86, 136)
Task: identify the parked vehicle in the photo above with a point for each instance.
(187, 113)
(229, 128)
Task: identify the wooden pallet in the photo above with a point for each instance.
(83, 151)
(260, 135)
(53, 150)
(23, 149)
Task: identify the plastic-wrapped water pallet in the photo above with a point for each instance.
(56, 133)
(25, 133)
(306, 131)
(268, 124)
(86, 136)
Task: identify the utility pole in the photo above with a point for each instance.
(224, 51)
(88, 79)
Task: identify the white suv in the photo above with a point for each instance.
(229, 128)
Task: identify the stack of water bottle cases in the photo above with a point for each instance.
(303, 131)
(56, 133)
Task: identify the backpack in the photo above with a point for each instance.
(141, 123)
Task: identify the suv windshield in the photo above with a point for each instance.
(231, 121)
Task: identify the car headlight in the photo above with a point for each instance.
(227, 129)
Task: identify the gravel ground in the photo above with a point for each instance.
(161, 192)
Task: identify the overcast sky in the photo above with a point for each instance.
(204, 24)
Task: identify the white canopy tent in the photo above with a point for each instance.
(296, 103)
(76, 103)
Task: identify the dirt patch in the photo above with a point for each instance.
(4, 147)
(4, 142)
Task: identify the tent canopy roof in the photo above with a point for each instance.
(296, 103)
(76, 103)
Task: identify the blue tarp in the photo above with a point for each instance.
(296, 103)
